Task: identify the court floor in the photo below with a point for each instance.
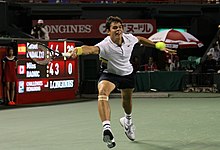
(161, 124)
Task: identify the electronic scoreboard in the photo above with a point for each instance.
(57, 80)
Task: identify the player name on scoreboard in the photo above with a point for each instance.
(31, 70)
(28, 69)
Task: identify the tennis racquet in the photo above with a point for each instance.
(41, 54)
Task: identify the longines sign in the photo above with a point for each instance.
(95, 28)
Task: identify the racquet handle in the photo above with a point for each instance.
(66, 54)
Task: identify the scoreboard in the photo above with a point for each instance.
(42, 83)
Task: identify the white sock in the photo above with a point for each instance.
(106, 124)
(128, 119)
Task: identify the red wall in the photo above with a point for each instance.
(3, 50)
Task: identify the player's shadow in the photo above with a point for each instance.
(147, 145)
(177, 145)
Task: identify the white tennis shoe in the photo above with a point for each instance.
(129, 129)
(108, 138)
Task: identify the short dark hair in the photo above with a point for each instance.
(111, 19)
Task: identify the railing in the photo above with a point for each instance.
(122, 1)
(202, 82)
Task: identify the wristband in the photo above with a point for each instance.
(79, 51)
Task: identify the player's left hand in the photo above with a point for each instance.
(170, 51)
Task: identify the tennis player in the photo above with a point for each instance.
(115, 52)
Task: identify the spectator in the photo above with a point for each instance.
(209, 65)
(215, 51)
(213, 1)
(151, 65)
(175, 64)
(39, 31)
(172, 62)
(35, 1)
(104, 1)
(9, 69)
(58, 1)
(209, 68)
(135, 63)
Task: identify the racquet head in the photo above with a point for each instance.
(40, 53)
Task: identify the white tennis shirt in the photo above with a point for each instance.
(118, 57)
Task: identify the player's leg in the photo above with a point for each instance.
(105, 88)
(126, 121)
(126, 95)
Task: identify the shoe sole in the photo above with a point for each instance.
(108, 139)
(125, 132)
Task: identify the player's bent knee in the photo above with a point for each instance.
(103, 98)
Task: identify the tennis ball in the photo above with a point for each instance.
(160, 45)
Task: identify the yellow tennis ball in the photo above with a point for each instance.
(160, 45)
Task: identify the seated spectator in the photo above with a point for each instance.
(136, 63)
(215, 51)
(209, 65)
(151, 65)
(172, 62)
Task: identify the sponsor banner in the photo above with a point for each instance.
(42, 85)
(90, 28)
(61, 84)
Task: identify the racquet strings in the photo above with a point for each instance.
(39, 54)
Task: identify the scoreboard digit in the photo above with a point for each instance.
(56, 69)
(71, 68)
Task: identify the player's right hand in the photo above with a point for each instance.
(73, 53)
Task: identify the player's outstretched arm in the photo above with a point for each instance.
(145, 41)
(84, 50)
(149, 43)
